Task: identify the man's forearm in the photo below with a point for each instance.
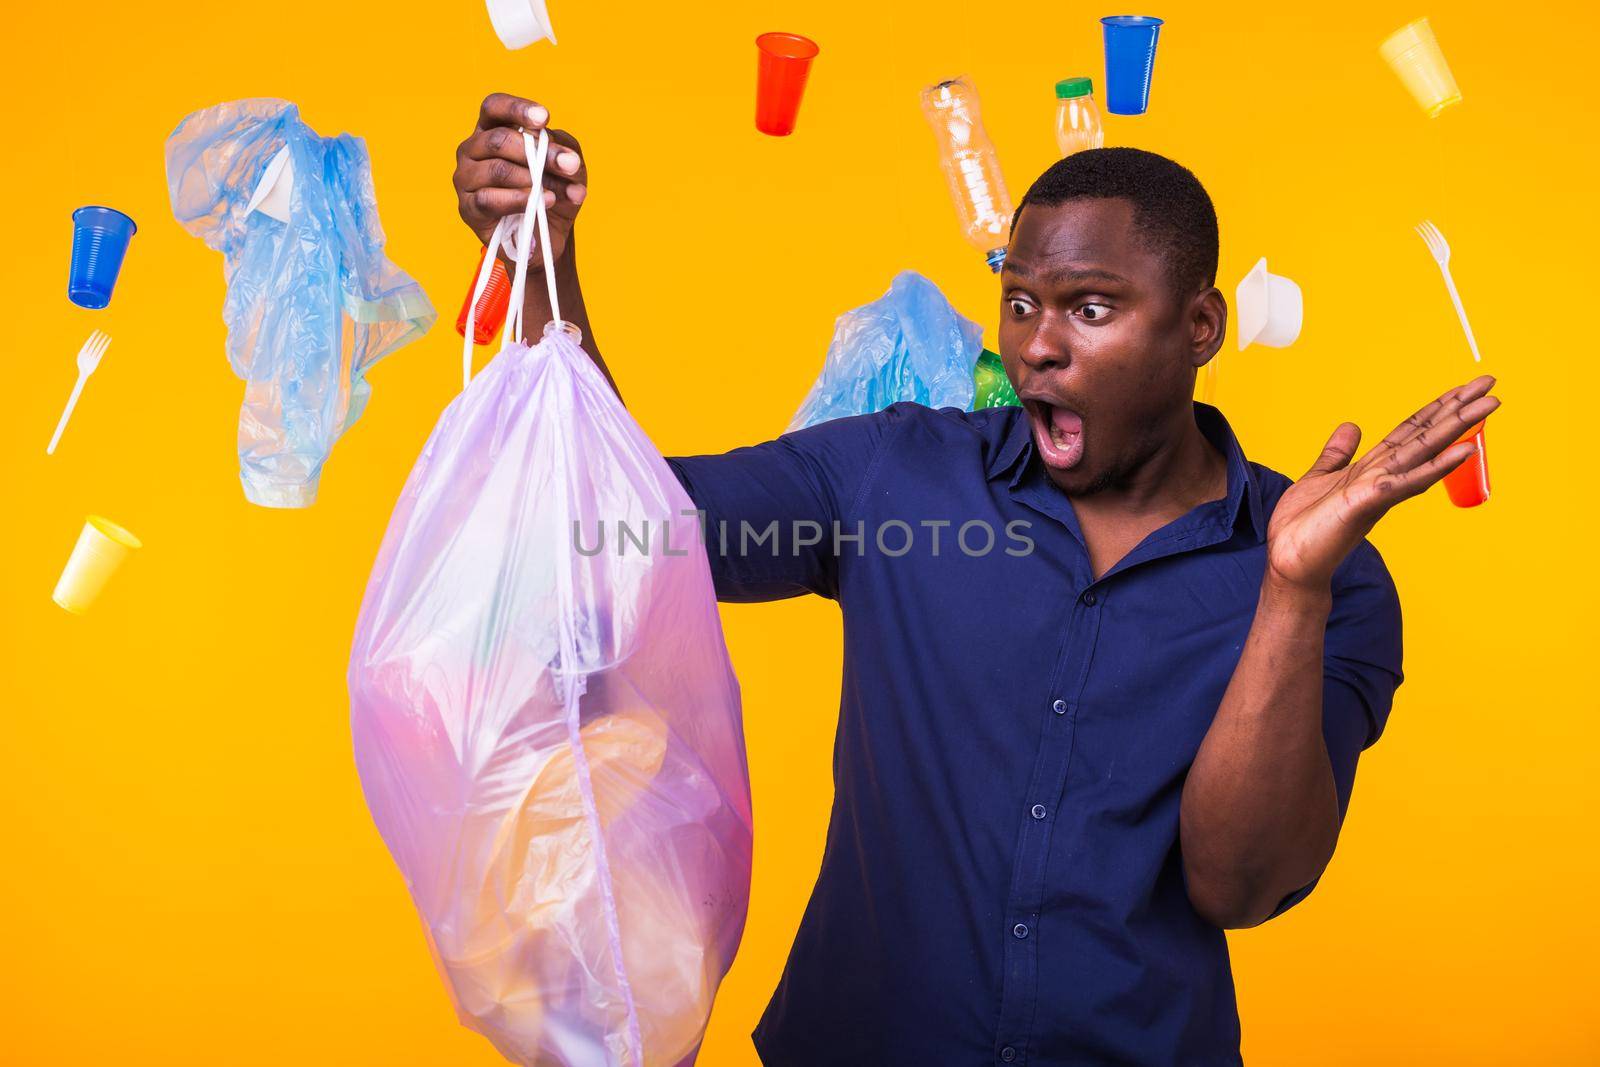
(1260, 811)
(536, 306)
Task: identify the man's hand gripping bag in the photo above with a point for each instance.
(545, 720)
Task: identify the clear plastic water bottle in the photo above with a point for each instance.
(1077, 117)
(972, 167)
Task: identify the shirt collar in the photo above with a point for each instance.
(1244, 489)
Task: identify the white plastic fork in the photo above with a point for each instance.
(1441, 255)
(88, 359)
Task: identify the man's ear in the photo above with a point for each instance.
(1208, 323)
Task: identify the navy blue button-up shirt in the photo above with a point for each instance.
(1002, 880)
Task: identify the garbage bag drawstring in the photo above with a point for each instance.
(514, 329)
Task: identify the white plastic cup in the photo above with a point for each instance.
(1413, 53)
(100, 551)
(519, 23)
(1271, 308)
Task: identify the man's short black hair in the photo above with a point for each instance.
(1170, 207)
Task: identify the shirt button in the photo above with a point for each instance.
(1008, 1053)
(1090, 599)
(1021, 930)
(1038, 811)
(1059, 707)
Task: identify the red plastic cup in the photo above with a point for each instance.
(1468, 484)
(492, 305)
(785, 62)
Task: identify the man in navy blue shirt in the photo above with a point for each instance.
(1105, 680)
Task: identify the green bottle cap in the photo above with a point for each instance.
(1070, 87)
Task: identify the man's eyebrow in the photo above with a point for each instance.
(1067, 274)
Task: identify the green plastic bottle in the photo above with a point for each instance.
(993, 387)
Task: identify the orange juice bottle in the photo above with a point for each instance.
(1077, 117)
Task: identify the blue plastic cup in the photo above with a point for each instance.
(1130, 61)
(100, 238)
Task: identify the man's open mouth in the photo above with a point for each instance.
(1057, 433)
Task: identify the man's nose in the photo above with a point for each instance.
(1046, 346)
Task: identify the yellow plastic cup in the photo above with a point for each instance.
(1413, 53)
(101, 548)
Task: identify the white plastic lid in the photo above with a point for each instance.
(519, 23)
(1271, 308)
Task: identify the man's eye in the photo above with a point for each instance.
(1094, 312)
(1019, 308)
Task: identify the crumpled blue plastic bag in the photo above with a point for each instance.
(909, 344)
(312, 303)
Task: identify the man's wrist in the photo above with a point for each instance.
(567, 262)
(1291, 598)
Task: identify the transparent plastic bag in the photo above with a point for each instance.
(909, 344)
(312, 301)
(549, 735)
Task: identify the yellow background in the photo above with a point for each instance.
(190, 875)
